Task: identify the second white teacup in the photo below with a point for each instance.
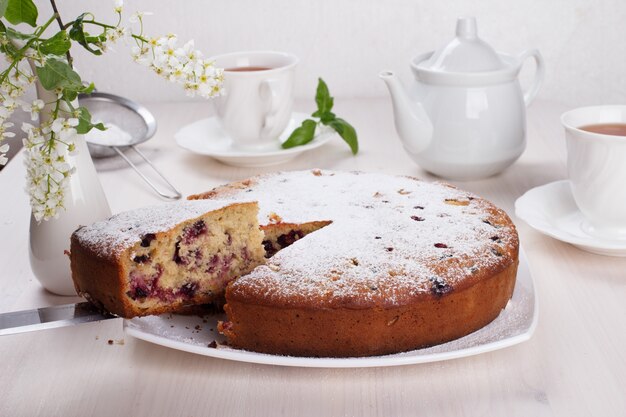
(258, 99)
(596, 164)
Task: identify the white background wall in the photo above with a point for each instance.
(348, 42)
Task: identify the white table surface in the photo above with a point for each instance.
(574, 365)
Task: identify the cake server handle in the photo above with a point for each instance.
(176, 194)
(50, 317)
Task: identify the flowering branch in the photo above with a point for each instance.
(48, 146)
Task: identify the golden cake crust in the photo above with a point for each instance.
(370, 331)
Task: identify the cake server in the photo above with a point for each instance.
(50, 317)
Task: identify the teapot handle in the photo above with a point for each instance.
(529, 95)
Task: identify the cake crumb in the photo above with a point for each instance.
(110, 341)
(213, 344)
(455, 202)
(275, 218)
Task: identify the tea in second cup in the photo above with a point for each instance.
(258, 99)
(596, 164)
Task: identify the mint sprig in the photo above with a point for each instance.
(306, 132)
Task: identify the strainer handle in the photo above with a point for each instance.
(176, 194)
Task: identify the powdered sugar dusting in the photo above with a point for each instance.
(111, 237)
(391, 238)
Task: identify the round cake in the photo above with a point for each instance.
(367, 264)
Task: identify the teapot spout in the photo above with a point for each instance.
(412, 122)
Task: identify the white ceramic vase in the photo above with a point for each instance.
(85, 202)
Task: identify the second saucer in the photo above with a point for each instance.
(551, 210)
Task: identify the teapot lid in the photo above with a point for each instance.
(465, 53)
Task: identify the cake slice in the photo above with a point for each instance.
(164, 258)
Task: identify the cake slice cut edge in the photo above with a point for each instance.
(166, 267)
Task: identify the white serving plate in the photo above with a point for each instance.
(193, 334)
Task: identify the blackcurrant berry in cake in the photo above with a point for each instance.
(418, 207)
(146, 239)
(496, 252)
(377, 237)
(215, 260)
(190, 233)
(439, 286)
(441, 245)
(139, 293)
(389, 249)
(141, 259)
(289, 238)
(417, 218)
(496, 239)
(269, 248)
(189, 289)
(177, 258)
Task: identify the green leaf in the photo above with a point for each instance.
(3, 8)
(84, 122)
(88, 89)
(347, 132)
(21, 11)
(323, 99)
(14, 34)
(77, 33)
(302, 135)
(327, 117)
(58, 74)
(59, 44)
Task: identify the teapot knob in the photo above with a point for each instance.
(466, 27)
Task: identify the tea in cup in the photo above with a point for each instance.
(596, 164)
(258, 99)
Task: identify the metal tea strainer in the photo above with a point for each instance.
(132, 120)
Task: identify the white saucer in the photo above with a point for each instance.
(551, 210)
(206, 137)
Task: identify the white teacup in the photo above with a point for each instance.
(596, 165)
(258, 99)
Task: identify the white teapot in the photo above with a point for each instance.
(465, 117)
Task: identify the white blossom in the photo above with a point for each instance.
(33, 108)
(119, 6)
(182, 65)
(64, 127)
(137, 16)
(47, 165)
(4, 133)
(3, 152)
